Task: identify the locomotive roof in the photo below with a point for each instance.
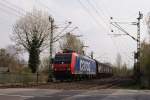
(83, 56)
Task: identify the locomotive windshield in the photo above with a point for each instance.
(63, 59)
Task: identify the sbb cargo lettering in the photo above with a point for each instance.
(84, 65)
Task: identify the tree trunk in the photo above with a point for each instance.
(34, 61)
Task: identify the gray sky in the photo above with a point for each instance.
(93, 23)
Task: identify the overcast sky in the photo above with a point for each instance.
(92, 18)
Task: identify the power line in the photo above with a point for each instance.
(105, 21)
(11, 8)
(38, 1)
(91, 15)
(137, 70)
(62, 30)
(48, 8)
(42, 4)
(8, 12)
(89, 12)
(33, 15)
(97, 12)
(103, 4)
(14, 8)
(108, 17)
(98, 8)
(11, 4)
(123, 30)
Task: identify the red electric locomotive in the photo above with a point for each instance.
(70, 65)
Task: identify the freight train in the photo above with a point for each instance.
(73, 66)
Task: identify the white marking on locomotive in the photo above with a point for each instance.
(84, 65)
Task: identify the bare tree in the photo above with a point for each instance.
(72, 42)
(32, 33)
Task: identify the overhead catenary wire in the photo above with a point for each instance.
(61, 32)
(45, 6)
(102, 4)
(64, 28)
(102, 16)
(59, 36)
(105, 12)
(116, 25)
(15, 6)
(91, 15)
(17, 10)
(6, 11)
(108, 14)
(11, 8)
(95, 20)
(136, 39)
(49, 9)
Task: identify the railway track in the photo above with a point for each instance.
(110, 83)
(77, 85)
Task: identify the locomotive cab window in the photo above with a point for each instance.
(63, 59)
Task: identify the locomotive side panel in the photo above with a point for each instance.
(85, 66)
